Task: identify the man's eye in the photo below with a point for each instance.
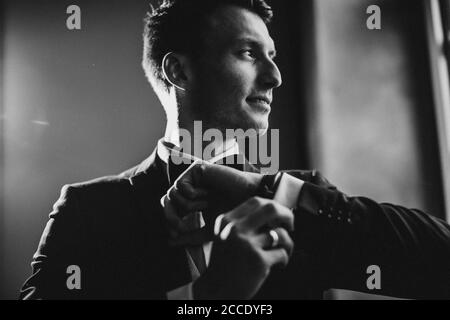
(248, 53)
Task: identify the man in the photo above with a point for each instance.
(212, 61)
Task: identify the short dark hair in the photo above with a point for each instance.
(177, 25)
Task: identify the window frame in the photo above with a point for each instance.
(439, 54)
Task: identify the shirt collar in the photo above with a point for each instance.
(164, 150)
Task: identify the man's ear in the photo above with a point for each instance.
(174, 70)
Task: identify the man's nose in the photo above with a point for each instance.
(271, 75)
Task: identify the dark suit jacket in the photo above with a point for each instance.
(113, 228)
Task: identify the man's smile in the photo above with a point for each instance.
(261, 103)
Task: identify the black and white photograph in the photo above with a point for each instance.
(225, 150)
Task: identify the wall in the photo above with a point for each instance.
(2, 166)
(77, 106)
(374, 131)
(375, 122)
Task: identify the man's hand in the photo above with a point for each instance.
(242, 261)
(234, 185)
(208, 188)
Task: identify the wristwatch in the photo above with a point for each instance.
(269, 185)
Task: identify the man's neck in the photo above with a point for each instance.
(215, 147)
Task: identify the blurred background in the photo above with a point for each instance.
(368, 108)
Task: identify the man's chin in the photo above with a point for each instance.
(257, 123)
(261, 124)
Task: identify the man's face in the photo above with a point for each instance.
(232, 83)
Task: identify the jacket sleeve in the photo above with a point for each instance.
(59, 249)
(350, 234)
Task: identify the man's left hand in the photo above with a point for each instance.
(208, 187)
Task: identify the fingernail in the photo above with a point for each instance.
(162, 202)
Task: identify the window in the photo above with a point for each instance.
(438, 29)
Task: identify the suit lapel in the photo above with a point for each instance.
(150, 183)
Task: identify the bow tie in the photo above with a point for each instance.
(175, 170)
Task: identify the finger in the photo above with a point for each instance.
(175, 223)
(194, 221)
(222, 227)
(185, 206)
(218, 224)
(265, 241)
(270, 215)
(226, 231)
(188, 190)
(245, 209)
(276, 257)
(197, 170)
(193, 238)
(237, 215)
(209, 174)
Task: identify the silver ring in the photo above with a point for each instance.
(275, 238)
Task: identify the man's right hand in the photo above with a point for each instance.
(242, 261)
